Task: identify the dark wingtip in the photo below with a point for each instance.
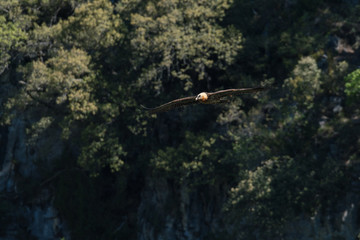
(149, 110)
(258, 89)
(143, 107)
(265, 88)
(262, 88)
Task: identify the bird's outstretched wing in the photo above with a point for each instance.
(173, 104)
(229, 92)
(213, 98)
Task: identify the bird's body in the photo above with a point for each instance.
(203, 98)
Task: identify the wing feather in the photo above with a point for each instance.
(211, 97)
(173, 104)
(227, 92)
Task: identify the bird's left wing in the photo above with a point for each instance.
(236, 91)
(173, 104)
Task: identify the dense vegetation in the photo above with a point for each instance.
(85, 67)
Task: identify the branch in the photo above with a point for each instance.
(38, 100)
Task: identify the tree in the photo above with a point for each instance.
(304, 82)
(179, 41)
(60, 83)
(12, 37)
(352, 85)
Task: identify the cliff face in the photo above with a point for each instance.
(27, 214)
(168, 213)
(166, 210)
(339, 222)
(176, 212)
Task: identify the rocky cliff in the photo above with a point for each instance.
(27, 214)
(165, 211)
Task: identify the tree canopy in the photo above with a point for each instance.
(85, 67)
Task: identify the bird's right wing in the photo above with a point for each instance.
(173, 104)
(228, 92)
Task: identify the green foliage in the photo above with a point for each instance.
(352, 85)
(181, 40)
(93, 26)
(282, 183)
(271, 190)
(62, 82)
(195, 161)
(101, 148)
(84, 68)
(11, 38)
(291, 45)
(20, 12)
(304, 83)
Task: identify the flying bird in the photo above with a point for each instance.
(203, 98)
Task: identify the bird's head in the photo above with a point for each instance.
(201, 97)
